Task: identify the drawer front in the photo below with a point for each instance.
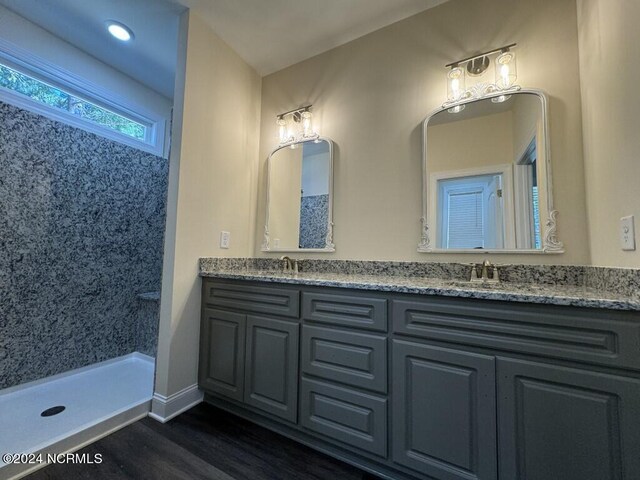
(251, 298)
(585, 335)
(369, 313)
(357, 359)
(342, 414)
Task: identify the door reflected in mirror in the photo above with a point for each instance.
(299, 198)
(487, 180)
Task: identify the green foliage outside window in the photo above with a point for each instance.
(54, 97)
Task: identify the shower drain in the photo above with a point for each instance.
(49, 412)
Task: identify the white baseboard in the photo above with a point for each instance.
(164, 408)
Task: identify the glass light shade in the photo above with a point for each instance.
(457, 109)
(307, 129)
(282, 129)
(506, 70)
(455, 84)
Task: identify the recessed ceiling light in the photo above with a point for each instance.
(119, 31)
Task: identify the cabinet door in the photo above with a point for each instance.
(566, 423)
(271, 376)
(222, 343)
(444, 412)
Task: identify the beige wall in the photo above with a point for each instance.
(473, 143)
(212, 185)
(526, 123)
(284, 191)
(610, 75)
(371, 95)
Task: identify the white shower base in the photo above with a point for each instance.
(99, 399)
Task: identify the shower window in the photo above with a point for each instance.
(54, 97)
(62, 100)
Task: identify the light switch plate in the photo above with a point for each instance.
(627, 233)
(225, 239)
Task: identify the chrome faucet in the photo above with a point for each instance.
(484, 275)
(289, 265)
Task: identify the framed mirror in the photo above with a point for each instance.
(487, 177)
(299, 216)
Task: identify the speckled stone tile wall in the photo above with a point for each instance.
(314, 215)
(81, 234)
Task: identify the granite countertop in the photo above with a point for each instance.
(558, 294)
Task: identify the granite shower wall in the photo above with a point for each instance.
(81, 234)
(314, 215)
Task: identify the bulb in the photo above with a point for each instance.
(506, 73)
(455, 79)
(457, 109)
(306, 124)
(282, 129)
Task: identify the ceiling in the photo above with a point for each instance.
(269, 35)
(150, 58)
(273, 34)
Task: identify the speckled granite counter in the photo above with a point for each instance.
(574, 291)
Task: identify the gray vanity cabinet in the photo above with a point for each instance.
(417, 387)
(566, 423)
(247, 353)
(444, 411)
(222, 353)
(271, 373)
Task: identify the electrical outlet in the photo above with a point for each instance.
(225, 239)
(627, 233)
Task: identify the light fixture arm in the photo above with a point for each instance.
(504, 49)
(294, 111)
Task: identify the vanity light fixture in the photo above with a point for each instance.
(296, 126)
(506, 74)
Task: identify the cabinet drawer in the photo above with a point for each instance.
(585, 335)
(251, 298)
(356, 311)
(354, 418)
(357, 359)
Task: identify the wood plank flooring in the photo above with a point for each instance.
(203, 443)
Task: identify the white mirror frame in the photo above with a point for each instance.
(550, 242)
(329, 245)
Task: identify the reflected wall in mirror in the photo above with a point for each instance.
(299, 198)
(487, 177)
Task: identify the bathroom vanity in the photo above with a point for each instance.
(429, 380)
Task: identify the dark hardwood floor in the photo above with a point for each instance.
(203, 443)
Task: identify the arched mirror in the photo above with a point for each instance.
(299, 214)
(487, 177)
